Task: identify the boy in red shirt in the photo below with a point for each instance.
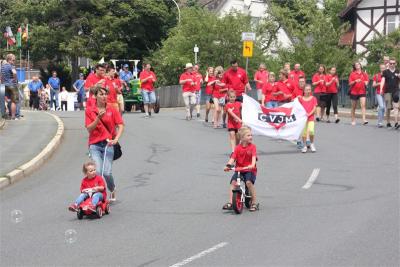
(309, 103)
(91, 181)
(233, 108)
(245, 155)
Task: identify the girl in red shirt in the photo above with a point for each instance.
(219, 94)
(309, 103)
(92, 181)
(379, 97)
(105, 127)
(358, 82)
(209, 79)
(332, 84)
(269, 100)
(245, 155)
(318, 81)
(233, 108)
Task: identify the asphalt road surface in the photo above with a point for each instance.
(171, 187)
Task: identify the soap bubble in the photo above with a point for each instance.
(70, 236)
(16, 216)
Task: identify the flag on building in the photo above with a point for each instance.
(284, 122)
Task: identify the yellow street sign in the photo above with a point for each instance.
(248, 48)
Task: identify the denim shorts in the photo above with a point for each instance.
(149, 97)
(248, 176)
(209, 98)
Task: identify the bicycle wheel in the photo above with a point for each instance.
(237, 203)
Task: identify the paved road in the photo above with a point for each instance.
(171, 188)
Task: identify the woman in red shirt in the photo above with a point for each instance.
(269, 100)
(105, 126)
(332, 84)
(219, 95)
(114, 86)
(209, 79)
(379, 97)
(358, 82)
(318, 81)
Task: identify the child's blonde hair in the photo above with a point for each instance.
(243, 131)
(87, 164)
(218, 70)
(231, 92)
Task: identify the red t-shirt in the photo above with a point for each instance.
(149, 84)
(291, 86)
(243, 156)
(270, 88)
(236, 80)
(295, 75)
(95, 181)
(332, 88)
(296, 92)
(309, 106)
(236, 109)
(209, 88)
(216, 91)
(321, 87)
(114, 87)
(377, 79)
(282, 86)
(198, 78)
(108, 122)
(261, 76)
(187, 87)
(358, 88)
(91, 80)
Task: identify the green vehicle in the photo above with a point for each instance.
(133, 99)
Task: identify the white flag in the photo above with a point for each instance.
(285, 122)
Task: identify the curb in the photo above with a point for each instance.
(34, 164)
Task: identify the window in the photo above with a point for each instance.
(392, 23)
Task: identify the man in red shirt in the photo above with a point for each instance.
(296, 73)
(188, 82)
(261, 78)
(236, 78)
(147, 79)
(199, 82)
(96, 78)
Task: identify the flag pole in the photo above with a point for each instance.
(29, 69)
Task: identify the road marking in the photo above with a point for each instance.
(312, 179)
(201, 254)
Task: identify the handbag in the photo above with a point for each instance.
(117, 146)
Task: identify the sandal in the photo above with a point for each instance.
(227, 206)
(254, 207)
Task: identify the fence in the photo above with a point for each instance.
(171, 96)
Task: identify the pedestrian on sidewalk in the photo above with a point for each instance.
(105, 127)
(332, 85)
(378, 95)
(358, 82)
(54, 83)
(9, 79)
(64, 99)
(80, 90)
(390, 87)
(188, 82)
(34, 87)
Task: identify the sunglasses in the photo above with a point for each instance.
(392, 63)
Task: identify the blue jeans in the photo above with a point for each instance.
(272, 104)
(54, 97)
(97, 154)
(381, 107)
(96, 197)
(149, 97)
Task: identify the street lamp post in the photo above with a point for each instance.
(195, 50)
(179, 11)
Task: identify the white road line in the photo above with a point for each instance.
(312, 179)
(201, 254)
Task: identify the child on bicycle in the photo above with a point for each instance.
(93, 181)
(245, 156)
(233, 108)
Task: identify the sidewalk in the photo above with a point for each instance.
(371, 114)
(27, 143)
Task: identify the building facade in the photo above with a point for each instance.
(369, 19)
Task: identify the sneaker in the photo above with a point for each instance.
(146, 116)
(397, 126)
(149, 113)
(224, 125)
(308, 144)
(317, 119)
(380, 125)
(73, 207)
(206, 120)
(337, 120)
(300, 145)
(313, 148)
(388, 125)
(304, 149)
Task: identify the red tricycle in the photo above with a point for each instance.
(85, 208)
